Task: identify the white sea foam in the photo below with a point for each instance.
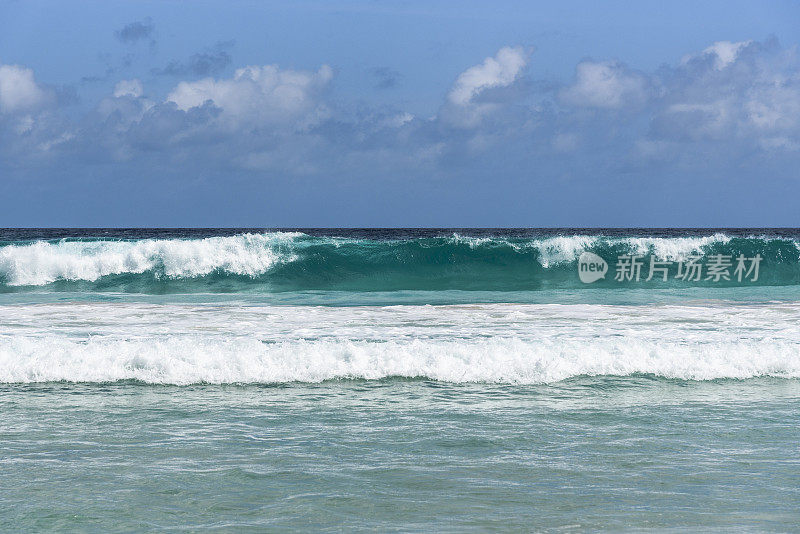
(674, 248)
(565, 249)
(185, 360)
(521, 344)
(43, 262)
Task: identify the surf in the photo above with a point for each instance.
(295, 261)
(479, 343)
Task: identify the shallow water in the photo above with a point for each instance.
(591, 453)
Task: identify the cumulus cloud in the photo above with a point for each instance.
(114, 116)
(19, 90)
(722, 53)
(605, 84)
(257, 94)
(478, 91)
(30, 127)
(135, 31)
(499, 71)
(745, 92)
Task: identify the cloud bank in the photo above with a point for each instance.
(729, 102)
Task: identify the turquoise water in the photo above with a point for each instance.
(347, 261)
(632, 453)
(395, 380)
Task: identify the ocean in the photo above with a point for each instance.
(453, 380)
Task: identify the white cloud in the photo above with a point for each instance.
(605, 84)
(711, 120)
(753, 98)
(724, 53)
(257, 94)
(471, 98)
(775, 106)
(729, 102)
(499, 71)
(128, 88)
(18, 89)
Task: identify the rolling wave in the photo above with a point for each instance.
(282, 261)
(193, 359)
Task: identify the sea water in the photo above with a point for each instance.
(461, 379)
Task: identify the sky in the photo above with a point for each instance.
(405, 113)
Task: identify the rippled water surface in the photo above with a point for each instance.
(611, 453)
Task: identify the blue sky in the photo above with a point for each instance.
(355, 113)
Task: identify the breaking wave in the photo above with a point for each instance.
(187, 360)
(295, 261)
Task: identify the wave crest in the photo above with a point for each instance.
(191, 359)
(43, 262)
